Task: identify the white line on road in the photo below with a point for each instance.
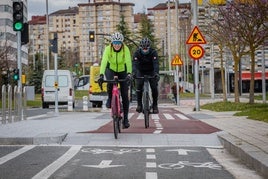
(181, 116)
(130, 115)
(49, 170)
(155, 116)
(140, 116)
(150, 165)
(15, 154)
(150, 150)
(151, 175)
(168, 116)
(150, 157)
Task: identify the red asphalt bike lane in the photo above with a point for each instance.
(176, 125)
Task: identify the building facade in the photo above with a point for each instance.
(8, 37)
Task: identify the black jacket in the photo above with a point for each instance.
(145, 64)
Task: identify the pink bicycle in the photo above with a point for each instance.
(116, 105)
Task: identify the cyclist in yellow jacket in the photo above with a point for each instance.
(116, 61)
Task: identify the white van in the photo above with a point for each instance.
(65, 87)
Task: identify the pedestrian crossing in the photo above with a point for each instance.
(160, 116)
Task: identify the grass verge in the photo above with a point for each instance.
(255, 111)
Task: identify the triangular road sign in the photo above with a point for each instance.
(196, 37)
(176, 60)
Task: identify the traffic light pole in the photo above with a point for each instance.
(20, 112)
(56, 83)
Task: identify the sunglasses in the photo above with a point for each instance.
(146, 48)
(117, 42)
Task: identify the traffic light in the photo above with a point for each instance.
(16, 74)
(54, 43)
(91, 36)
(17, 16)
(25, 34)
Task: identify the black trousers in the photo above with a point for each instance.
(109, 74)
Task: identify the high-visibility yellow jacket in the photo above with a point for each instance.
(116, 61)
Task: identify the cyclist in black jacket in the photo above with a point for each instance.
(145, 62)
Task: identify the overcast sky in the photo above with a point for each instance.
(38, 7)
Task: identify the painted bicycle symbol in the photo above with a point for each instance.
(109, 151)
(182, 164)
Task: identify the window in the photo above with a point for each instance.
(62, 80)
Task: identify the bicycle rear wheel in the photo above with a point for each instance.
(146, 109)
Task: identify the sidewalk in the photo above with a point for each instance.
(245, 138)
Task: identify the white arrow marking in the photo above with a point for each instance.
(182, 151)
(104, 164)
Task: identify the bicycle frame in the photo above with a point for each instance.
(116, 112)
(146, 99)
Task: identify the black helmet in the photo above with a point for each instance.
(145, 43)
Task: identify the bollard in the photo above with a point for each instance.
(70, 103)
(9, 91)
(3, 104)
(85, 103)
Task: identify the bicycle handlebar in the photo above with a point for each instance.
(145, 77)
(114, 81)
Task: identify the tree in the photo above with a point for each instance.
(123, 28)
(227, 32)
(147, 30)
(35, 75)
(252, 24)
(217, 37)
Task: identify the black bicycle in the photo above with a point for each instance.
(146, 99)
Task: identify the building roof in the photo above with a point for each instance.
(163, 6)
(138, 17)
(69, 11)
(37, 20)
(106, 3)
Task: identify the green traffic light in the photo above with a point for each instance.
(16, 77)
(18, 26)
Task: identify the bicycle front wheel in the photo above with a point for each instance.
(146, 109)
(116, 116)
(116, 126)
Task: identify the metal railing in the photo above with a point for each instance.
(13, 110)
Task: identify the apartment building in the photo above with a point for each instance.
(65, 23)
(102, 17)
(8, 37)
(38, 39)
(160, 18)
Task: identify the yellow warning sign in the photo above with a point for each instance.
(176, 60)
(196, 37)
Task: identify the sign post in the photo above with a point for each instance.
(196, 52)
(176, 61)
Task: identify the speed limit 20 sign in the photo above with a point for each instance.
(196, 52)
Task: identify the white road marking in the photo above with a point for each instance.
(104, 164)
(150, 165)
(50, 169)
(130, 115)
(151, 175)
(15, 153)
(157, 131)
(168, 116)
(183, 117)
(36, 117)
(155, 116)
(150, 150)
(140, 116)
(182, 151)
(150, 156)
